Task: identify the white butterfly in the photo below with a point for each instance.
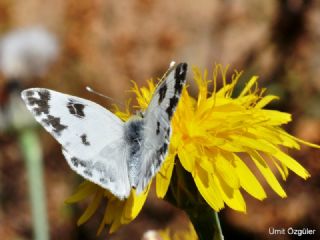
(99, 146)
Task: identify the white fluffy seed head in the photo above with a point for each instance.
(27, 52)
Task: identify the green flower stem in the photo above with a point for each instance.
(218, 233)
(183, 194)
(205, 223)
(31, 149)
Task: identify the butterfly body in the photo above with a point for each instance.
(134, 138)
(102, 148)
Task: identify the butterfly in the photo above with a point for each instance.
(99, 146)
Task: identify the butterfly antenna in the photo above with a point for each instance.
(171, 66)
(89, 89)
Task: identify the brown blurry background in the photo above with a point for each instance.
(105, 44)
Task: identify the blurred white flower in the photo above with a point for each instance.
(151, 235)
(27, 52)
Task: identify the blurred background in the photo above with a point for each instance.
(105, 44)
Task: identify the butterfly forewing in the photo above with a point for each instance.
(90, 135)
(157, 124)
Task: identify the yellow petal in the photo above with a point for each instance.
(302, 141)
(163, 178)
(206, 163)
(113, 210)
(224, 91)
(247, 180)
(266, 133)
(226, 172)
(267, 173)
(115, 225)
(186, 158)
(208, 189)
(257, 144)
(291, 164)
(84, 190)
(274, 117)
(295, 139)
(133, 205)
(281, 168)
(91, 209)
(232, 197)
(248, 100)
(114, 206)
(231, 147)
(266, 100)
(248, 86)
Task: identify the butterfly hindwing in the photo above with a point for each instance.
(157, 124)
(108, 168)
(90, 135)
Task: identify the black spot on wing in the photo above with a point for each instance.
(180, 77)
(84, 164)
(105, 180)
(107, 176)
(168, 132)
(29, 93)
(41, 104)
(88, 172)
(76, 108)
(160, 154)
(54, 122)
(75, 161)
(89, 168)
(84, 139)
(162, 92)
(163, 150)
(172, 106)
(158, 128)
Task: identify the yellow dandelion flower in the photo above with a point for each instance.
(215, 136)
